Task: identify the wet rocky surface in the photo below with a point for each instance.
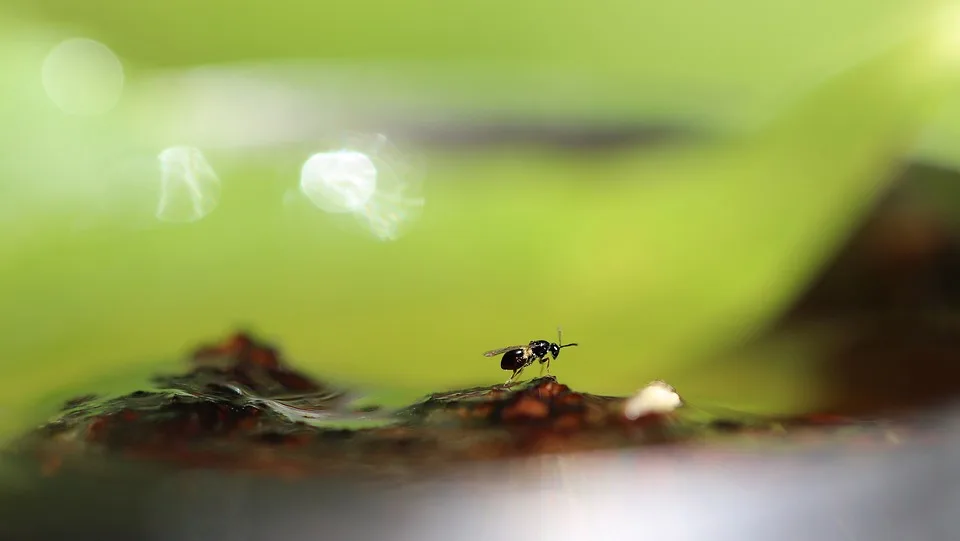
(240, 406)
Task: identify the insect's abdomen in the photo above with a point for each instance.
(512, 359)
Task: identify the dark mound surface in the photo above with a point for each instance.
(240, 406)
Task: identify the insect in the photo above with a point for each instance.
(516, 358)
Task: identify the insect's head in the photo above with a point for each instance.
(555, 349)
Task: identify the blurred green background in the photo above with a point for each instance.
(656, 262)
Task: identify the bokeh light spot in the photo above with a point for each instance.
(368, 178)
(189, 187)
(339, 181)
(83, 77)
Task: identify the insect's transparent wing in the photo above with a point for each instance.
(494, 352)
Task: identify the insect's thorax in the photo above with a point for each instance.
(539, 348)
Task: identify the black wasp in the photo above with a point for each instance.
(516, 358)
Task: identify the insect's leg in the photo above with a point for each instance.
(545, 365)
(516, 374)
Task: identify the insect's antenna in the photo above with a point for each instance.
(560, 339)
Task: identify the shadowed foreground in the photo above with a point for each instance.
(174, 462)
